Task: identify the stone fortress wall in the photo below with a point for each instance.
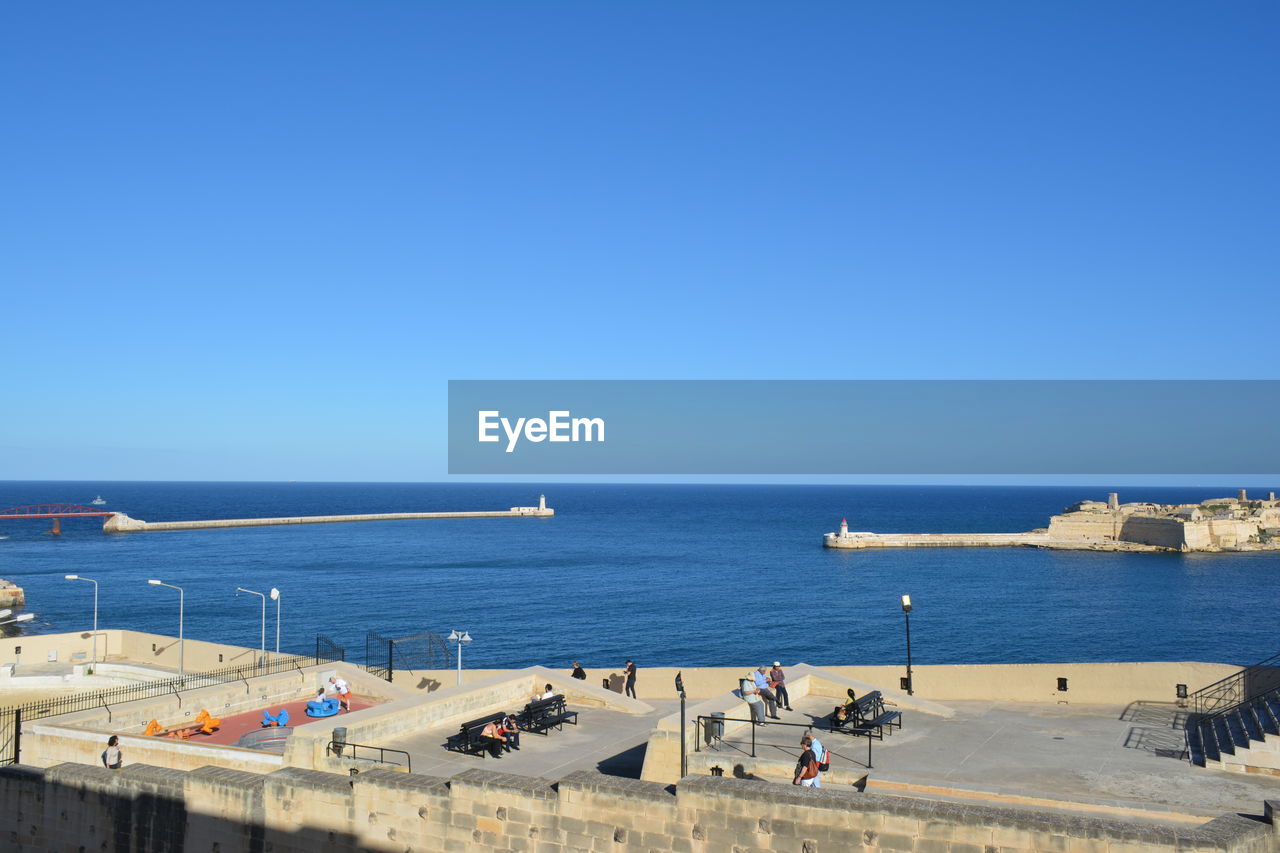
(76, 807)
(1218, 524)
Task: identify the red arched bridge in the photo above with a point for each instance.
(56, 512)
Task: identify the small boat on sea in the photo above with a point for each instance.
(98, 501)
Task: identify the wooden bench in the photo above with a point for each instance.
(468, 738)
(868, 718)
(544, 714)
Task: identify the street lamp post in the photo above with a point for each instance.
(182, 596)
(275, 596)
(22, 617)
(684, 749)
(262, 648)
(906, 614)
(459, 639)
(95, 612)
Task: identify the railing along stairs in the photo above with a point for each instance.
(1235, 714)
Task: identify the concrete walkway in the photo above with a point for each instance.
(607, 741)
(1120, 761)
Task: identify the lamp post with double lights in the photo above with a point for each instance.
(182, 595)
(95, 611)
(459, 639)
(262, 648)
(275, 596)
(906, 613)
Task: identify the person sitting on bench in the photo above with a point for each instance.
(493, 738)
(840, 715)
(511, 732)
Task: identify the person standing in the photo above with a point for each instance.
(751, 695)
(779, 680)
(579, 672)
(762, 684)
(630, 671)
(807, 773)
(819, 751)
(112, 758)
(343, 690)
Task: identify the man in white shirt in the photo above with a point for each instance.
(343, 690)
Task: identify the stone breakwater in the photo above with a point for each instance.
(121, 523)
(1030, 539)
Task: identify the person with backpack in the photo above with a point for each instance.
(807, 773)
(819, 752)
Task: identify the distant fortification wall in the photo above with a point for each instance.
(71, 807)
(1085, 526)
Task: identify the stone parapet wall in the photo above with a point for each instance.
(72, 807)
(1093, 683)
(132, 647)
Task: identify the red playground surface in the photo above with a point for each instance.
(234, 727)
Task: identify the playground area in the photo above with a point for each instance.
(228, 730)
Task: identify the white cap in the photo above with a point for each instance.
(776, 663)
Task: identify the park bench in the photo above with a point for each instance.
(468, 738)
(542, 715)
(868, 718)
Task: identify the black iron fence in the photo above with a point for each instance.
(327, 650)
(11, 719)
(1237, 688)
(384, 655)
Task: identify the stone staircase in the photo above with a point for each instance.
(1236, 725)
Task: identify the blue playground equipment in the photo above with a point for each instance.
(322, 707)
(280, 719)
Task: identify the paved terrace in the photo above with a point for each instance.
(604, 740)
(1100, 759)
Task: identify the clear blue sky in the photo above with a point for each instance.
(254, 240)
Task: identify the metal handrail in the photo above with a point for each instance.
(1229, 691)
(699, 727)
(336, 747)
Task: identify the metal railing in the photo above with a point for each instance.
(328, 651)
(711, 729)
(343, 749)
(1237, 688)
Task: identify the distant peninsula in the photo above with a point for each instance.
(1216, 525)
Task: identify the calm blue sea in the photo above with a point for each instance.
(667, 575)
